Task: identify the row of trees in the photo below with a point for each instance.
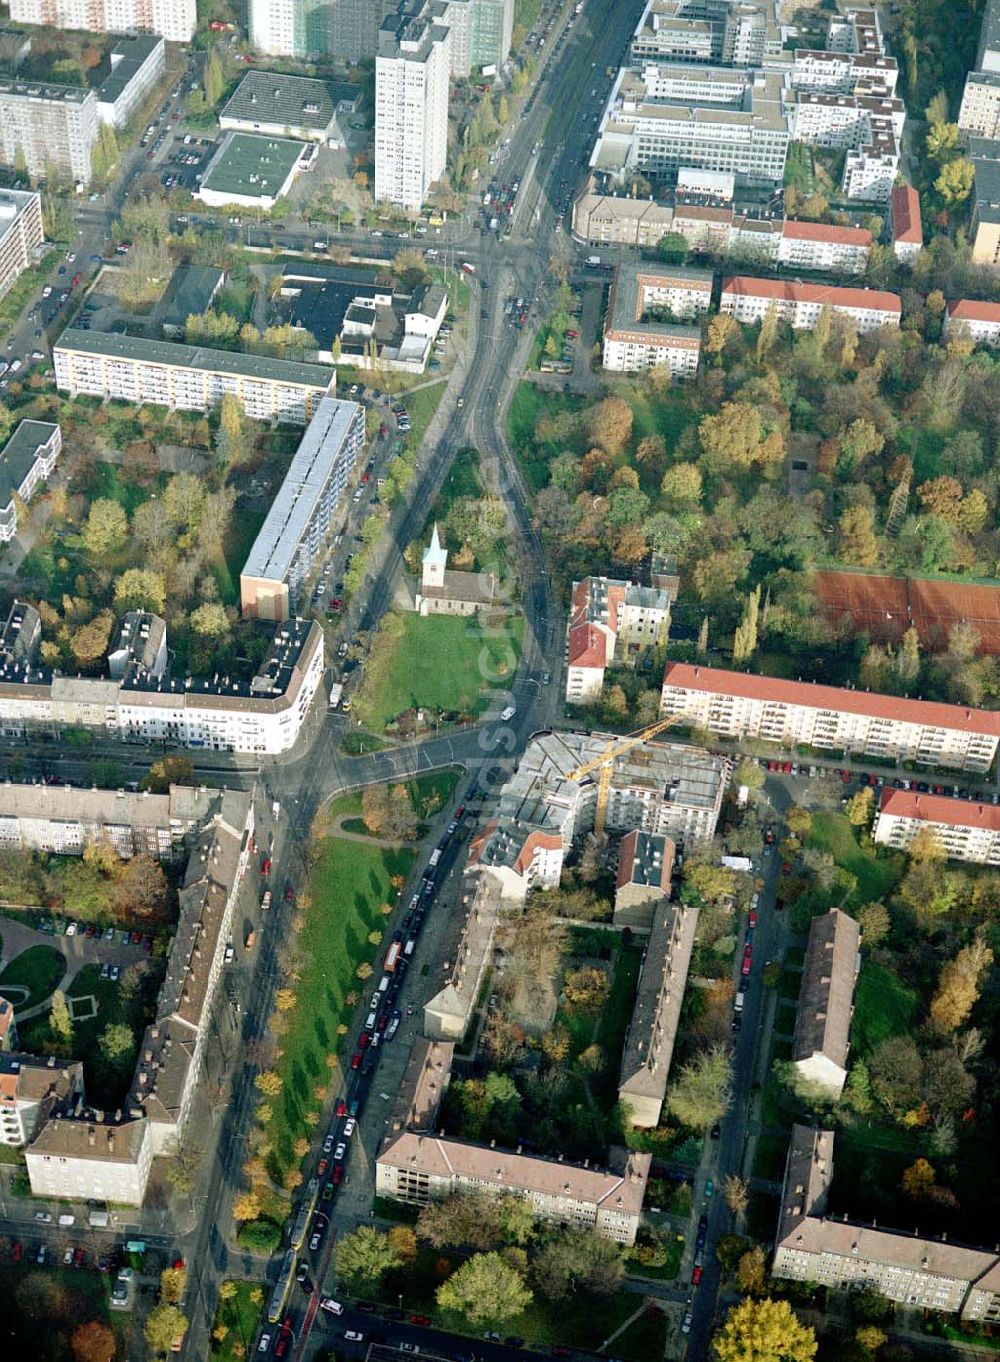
(99, 883)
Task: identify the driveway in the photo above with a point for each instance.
(77, 951)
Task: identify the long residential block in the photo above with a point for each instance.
(826, 1001)
(21, 233)
(642, 329)
(299, 521)
(740, 705)
(928, 1274)
(649, 1042)
(972, 319)
(137, 63)
(749, 300)
(53, 126)
(964, 829)
(27, 459)
(172, 19)
(188, 377)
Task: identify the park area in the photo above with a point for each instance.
(450, 666)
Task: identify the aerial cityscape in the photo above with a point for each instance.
(499, 680)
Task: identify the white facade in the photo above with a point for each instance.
(53, 126)
(411, 108)
(979, 115)
(174, 20)
(749, 300)
(188, 377)
(84, 1160)
(677, 348)
(965, 830)
(27, 459)
(136, 65)
(21, 233)
(738, 705)
(970, 319)
(816, 246)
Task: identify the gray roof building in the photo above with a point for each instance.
(191, 292)
(294, 106)
(141, 645)
(826, 1000)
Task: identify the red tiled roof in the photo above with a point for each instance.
(547, 841)
(587, 646)
(716, 681)
(785, 290)
(824, 231)
(973, 310)
(929, 808)
(906, 224)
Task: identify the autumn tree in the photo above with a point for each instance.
(172, 1280)
(737, 434)
(269, 1083)
(874, 921)
(736, 1193)
(751, 1271)
(486, 1289)
(860, 806)
(699, 1096)
(166, 772)
(958, 985)
(60, 1022)
(609, 424)
(764, 1331)
(141, 890)
(799, 821)
(363, 1257)
(681, 485)
(246, 1206)
(141, 589)
(955, 181)
(918, 1179)
(375, 807)
(92, 1342)
(404, 1244)
(856, 541)
(106, 528)
(164, 1324)
(89, 643)
(573, 1260)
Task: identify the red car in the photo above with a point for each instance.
(15, 1252)
(338, 1174)
(336, 603)
(772, 765)
(284, 1338)
(366, 477)
(383, 429)
(786, 768)
(363, 1041)
(265, 866)
(137, 938)
(322, 1166)
(696, 1276)
(418, 1319)
(560, 1350)
(573, 335)
(753, 919)
(460, 811)
(747, 955)
(356, 1060)
(289, 892)
(78, 1258)
(341, 1108)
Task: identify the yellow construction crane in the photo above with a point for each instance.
(604, 764)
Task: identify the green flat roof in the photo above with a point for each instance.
(252, 164)
(196, 357)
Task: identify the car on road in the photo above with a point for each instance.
(341, 1108)
(264, 1345)
(507, 713)
(328, 1143)
(687, 1321)
(352, 1336)
(349, 1127)
(709, 1187)
(331, 1306)
(753, 920)
(338, 1174)
(43, 1217)
(68, 1257)
(315, 1240)
(340, 1151)
(327, 1191)
(696, 1272)
(284, 1338)
(356, 1059)
(322, 1166)
(16, 1252)
(747, 959)
(423, 1319)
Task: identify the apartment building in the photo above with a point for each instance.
(467, 953)
(842, 122)
(749, 300)
(417, 1168)
(738, 705)
(298, 524)
(137, 63)
(91, 1156)
(261, 715)
(8, 1026)
(21, 233)
(62, 820)
(665, 788)
(734, 34)
(652, 1030)
(822, 246)
(618, 220)
(293, 28)
(928, 1274)
(641, 329)
(423, 1085)
(662, 118)
(965, 829)
(843, 73)
(905, 223)
(984, 153)
(27, 459)
(411, 103)
(171, 19)
(31, 1087)
(826, 1001)
(481, 32)
(172, 1050)
(608, 615)
(971, 319)
(642, 884)
(870, 170)
(275, 104)
(53, 126)
(192, 378)
(979, 114)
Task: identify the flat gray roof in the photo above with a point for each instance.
(292, 101)
(627, 313)
(19, 454)
(127, 57)
(190, 291)
(293, 508)
(179, 356)
(46, 90)
(252, 164)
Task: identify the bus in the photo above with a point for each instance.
(306, 1208)
(279, 1296)
(392, 956)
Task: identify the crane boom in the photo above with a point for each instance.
(604, 764)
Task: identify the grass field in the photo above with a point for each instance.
(883, 1007)
(349, 883)
(421, 403)
(529, 403)
(243, 530)
(114, 482)
(438, 663)
(877, 875)
(38, 969)
(241, 1317)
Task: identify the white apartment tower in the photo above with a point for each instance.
(174, 20)
(411, 104)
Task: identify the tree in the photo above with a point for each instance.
(958, 985)
(699, 1096)
(93, 1342)
(737, 434)
(764, 1331)
(918, 1179)
(89, 643)
(246, 1206)
(871, 1338)
(464, 1220)
(401, 823)
(164, 1324)
(609, 424)
(210, 620)
(721, 330)
(736, 1192)
(363, 1258)
(955, 181)
(105, 529)
(269, 1083)
(682, 485)
(141, 589)
(404, 1243)
(142, 890)
(751, 1271)
(485, 1290)
(856, 541)
(213, 81)
(172, 1280)
(672, 248)
(748, 773)
(375, 807)
(60, 1022)
(745, 637)
(586, 988)
(860, 806)
(706, 882)
(574, 1260)
(166, 772)
(116, 1041)
(799, 822)
(874, 921)
(144, 275)
(104, 153)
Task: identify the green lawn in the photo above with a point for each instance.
(243, 530)
(883, 1007)
(442, 662)
(799, 168)
(349, 883)
(646, 1337)
(38, 969)
(528, 404)
(49, 1302)
(115, 482)
(877, 875)
(241, 1317)
(421, 403)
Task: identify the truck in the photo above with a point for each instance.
(251, 940)
(593, 262)
(336, 694)
(392, 957)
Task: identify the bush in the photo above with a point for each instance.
(260, 1236)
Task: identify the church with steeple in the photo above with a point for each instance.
(446, 592)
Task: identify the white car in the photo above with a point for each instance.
(508, 713)
(349, 1127)
(47, 291)
(340, 1151)
(331, 1306)
(264, 1345)
(352, 1336)
(71, 929)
